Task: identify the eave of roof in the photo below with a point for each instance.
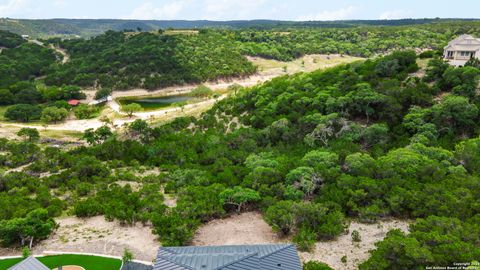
(30, 263)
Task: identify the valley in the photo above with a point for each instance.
(351, 146)
(268, 69)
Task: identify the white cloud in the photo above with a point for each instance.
(329, 15)
(230, 9)
(149, 11)
(12, 7)
(394, 14)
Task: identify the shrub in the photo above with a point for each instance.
(315, 265)
(281, 217)
(427, 54)
(87, 208)
(305, 239)
(201, 92)
(84, 111)
(25, 252)
(356, 236)
(54, 114)
(102, 93)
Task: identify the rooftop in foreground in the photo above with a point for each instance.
(241, 257)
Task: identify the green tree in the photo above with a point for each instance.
(305, 178)
(239, 196)
(364, 100)
(468, 154)
(54, 114)
(36, 225)
(97, 136)
(455, 113)
(131, 108)
(398, 252)
(360, 164)
(23, 112)
(84, 111)
(31, 134)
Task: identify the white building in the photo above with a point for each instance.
(461, 49)
(102, 100)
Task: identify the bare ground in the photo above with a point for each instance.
(331, 252)
(246, 228)
(96, 235)
(250, 228)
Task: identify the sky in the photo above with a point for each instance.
(293, 10)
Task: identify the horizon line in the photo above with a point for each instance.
(238, 20)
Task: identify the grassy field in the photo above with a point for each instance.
(155, 103)
(306, 63)
(61, 134)
(87, 262)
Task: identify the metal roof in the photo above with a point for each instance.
(261, 250)
(29, 263)
(136, 266)
(464, 42)
(244, 257)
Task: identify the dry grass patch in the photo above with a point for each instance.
(307, 63)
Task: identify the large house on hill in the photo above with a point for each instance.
(461, 49)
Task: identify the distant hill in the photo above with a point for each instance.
(92, 27)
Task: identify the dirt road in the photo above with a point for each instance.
(268, 69)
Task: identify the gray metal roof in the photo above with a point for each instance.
(29, 263)
(244, 257)
(136, 266)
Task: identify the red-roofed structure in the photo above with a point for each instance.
(74, 102)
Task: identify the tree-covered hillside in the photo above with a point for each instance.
(367, 141)
(122, 60)
(129, 59)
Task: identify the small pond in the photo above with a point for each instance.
(152, 103)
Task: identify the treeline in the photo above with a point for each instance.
(93, 27)
(364, 42)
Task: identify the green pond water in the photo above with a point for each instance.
(152, 103)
